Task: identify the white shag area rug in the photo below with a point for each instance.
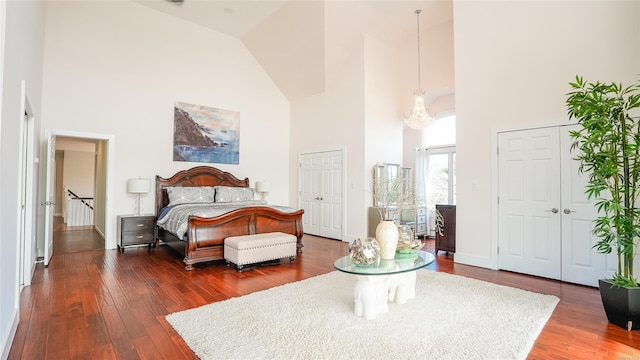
(452, 317)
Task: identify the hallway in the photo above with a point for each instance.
(75, 238)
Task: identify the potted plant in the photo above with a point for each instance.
(608, 145)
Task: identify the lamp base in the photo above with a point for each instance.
(138, 206)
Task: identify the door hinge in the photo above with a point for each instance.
(498, 250)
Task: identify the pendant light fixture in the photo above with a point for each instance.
(419, 117)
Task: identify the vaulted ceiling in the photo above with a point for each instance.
(291, 39)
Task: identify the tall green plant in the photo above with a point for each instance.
(609, 153)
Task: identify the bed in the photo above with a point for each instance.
(204, 237)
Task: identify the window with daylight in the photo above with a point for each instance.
(436, 167)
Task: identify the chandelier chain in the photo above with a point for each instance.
(418, 22)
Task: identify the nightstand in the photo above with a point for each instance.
(136, 230)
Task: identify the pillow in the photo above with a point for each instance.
(190, 195)
(229, 194)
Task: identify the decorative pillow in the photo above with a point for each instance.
(190, 195)
(229, 194)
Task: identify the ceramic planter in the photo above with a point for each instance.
(387, 237)
(622, 305)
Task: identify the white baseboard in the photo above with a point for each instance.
(7, 340)
(98, 231)
(348, 238)
(474, 260)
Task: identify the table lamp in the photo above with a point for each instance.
(138, 186)
(263, 188)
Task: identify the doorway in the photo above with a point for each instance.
(320, 186)
(545, 220)
(103, 186)
(74, 188)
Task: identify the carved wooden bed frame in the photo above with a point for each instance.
(205, 236)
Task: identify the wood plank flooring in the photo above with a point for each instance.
(75, 238)
(108, 305)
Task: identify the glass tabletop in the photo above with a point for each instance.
(386, 267)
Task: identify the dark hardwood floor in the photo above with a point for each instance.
(108, 305)
(76, 238)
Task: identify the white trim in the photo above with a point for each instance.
(109, 235)
(28, 257)
(493, 196)
(441, 149)
(7, 337)
(474, 260)
(8, 340)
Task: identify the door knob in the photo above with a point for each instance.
(567, 211)
(554, 210)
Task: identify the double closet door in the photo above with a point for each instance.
(545, 220)
(320, 193)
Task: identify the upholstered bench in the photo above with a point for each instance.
(256, 248)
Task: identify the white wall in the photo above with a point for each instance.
(437, 80)
(383, 123)
(333, 120)
(369, 87)
(79, 171)
(513, 63)
(117, 68)
(22, 57)
(357, 112)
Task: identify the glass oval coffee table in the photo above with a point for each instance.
(383, 281)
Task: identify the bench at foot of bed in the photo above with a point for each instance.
(251, 249)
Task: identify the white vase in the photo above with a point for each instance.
(387, 236)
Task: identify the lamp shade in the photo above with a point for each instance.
(263, 186)
(138, 186)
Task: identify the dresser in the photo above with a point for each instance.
(445, 228)
(417, 219)
(136, 230)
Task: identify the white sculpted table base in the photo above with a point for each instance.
(379, 284)
(372, 293)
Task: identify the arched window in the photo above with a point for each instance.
(442, 132)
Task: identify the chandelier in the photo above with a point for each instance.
(419, 117)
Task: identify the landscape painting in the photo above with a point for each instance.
(205, 134)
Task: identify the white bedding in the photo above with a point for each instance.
(175, 219)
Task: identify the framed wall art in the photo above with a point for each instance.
(205, 134)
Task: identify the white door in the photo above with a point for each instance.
(22, 259)
(331, 195)
(581, 263)
(49, 198)
(545, 219)
(309, 193)
(529, 201)
(320, 193)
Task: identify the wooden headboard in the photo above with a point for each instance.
(196, 176)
